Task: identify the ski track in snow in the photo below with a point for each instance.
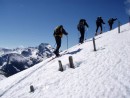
(26, 76)
(101, 74)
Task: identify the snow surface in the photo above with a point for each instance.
(101, 74)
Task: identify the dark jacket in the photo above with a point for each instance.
(82, 24)
(111, 20)
(59, 31)
(99, 21)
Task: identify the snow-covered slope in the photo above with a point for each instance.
(101, 74)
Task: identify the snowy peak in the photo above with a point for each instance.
(45, 49)
(13, 61)
(101, 74)
(3, 51)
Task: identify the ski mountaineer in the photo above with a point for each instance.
(111, 21)
(58, 33)
(81, 29)
(99, 23)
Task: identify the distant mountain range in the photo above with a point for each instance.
(13, 61)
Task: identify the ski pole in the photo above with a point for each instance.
(104, 28)
(78, 36)
(67, 42)
(86, 34)
(129, 19)
(54, 44)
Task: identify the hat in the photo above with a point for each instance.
(61, 26)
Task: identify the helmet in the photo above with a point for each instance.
(61, 26)
(99, 17)
(82, 20)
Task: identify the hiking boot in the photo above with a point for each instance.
(56, 53)
(81, 42)
(96, 34)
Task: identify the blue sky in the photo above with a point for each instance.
(31, 22)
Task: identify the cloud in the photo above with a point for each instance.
(127, 7)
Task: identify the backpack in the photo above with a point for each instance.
(98, 20)
(110, 20)
(57, 31)
(81, 24)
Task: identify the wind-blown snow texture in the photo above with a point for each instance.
(101, 74)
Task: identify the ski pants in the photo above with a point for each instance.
(58, 43)
(110, 24)
(99, 25)
(82, 32)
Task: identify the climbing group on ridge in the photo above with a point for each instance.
(59, 31)
(100, 21)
